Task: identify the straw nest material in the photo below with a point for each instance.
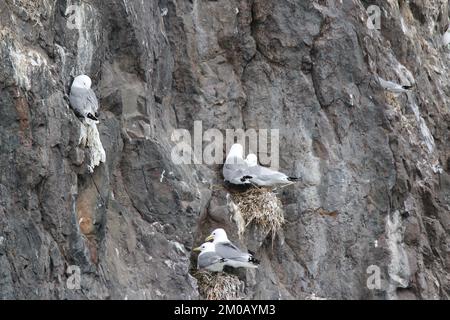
(258, 206)
(218, 285)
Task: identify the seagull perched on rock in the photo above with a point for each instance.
(265, 177)
(233, 256)
(235, 167)
(208, 259)
(392, 86)
(83, 99)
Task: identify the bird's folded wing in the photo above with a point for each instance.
(234, 171)
(228, 250)
(77, 101)
(92, 99)
(83, 100)
(208, 258)
(265, 174)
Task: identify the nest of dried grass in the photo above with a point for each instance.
(218, 285)
(261, 207)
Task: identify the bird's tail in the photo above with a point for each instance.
(253, 260)
(90, 116)
(246, 178)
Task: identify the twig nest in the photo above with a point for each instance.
(260, 207)
(219, 286)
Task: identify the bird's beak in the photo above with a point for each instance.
(209, 238)
(198, 249)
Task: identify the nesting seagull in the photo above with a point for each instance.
(208, 259)
(392, 86)
(235, 168)
(265, 177)
(233, 256)
(83, 99)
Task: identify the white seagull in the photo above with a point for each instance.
(235, 167)
(208, 259)
(265, 177)
(392, 86)
(234, 257)
(83, 99)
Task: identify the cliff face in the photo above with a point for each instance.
(374, 167)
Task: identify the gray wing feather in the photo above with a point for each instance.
(83, 101)
(266, 174)
(235, 170)
(76, 101)
(231, 172)
(228, 250)
(92, 100)
(207, 259)
(392, 86)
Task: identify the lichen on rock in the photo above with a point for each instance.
(377, 166)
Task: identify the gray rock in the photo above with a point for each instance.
(374, 168)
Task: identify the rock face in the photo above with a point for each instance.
(374, 167)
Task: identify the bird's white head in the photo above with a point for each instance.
(236, 151)
(252, 160)
(206, 247)
(218, 235)
(82, 81)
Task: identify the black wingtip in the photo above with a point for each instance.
(90, 116)
(293, 179)
(407, 87)
(253, 260)
(245, 178)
